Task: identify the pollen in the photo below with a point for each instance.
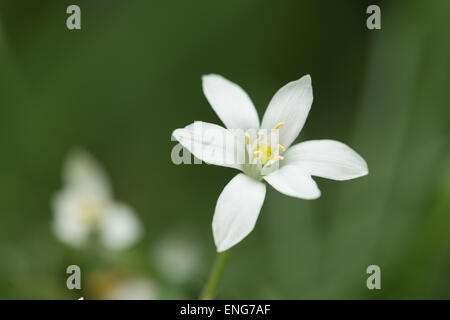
(247, 138)
(280, 147)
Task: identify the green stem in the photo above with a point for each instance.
(209, 290)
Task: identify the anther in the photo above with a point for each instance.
(278, 158)
(278, 126)
(280, 147)
(247, 138)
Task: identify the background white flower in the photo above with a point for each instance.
(119, 285)
(288, 170)
(138, 288)
(177, 257)
(85, 207)
(119, 228)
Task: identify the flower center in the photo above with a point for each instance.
(263, 150)
(90, 212)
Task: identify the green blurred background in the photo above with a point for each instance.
(131, 75)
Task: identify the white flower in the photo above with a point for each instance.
(177, 257)
(85, 207)
(240, 202)
(117, 285)
(138, 288)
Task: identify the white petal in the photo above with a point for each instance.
(65, 225)
(82, 170)
(70, 233)
(291, 105)
(230, 102)
(177, 257)
(75, 213)
(211, 143)
(294, 181)
(328, 159)
(237, 210)
(119, 227)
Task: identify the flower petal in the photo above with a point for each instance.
(237, 210)
(211, 143)
(230, 102)
(327, 159)
(119, 228)
(294, 181)
(75, 212)
(291, 105)
(82, 170)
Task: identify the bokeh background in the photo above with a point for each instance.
(131, 75)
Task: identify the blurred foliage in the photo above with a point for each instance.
(123, 83)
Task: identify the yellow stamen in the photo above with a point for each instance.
(247, 138)
(278, 126)
(263, 152)
(278, 158)
(280, 147)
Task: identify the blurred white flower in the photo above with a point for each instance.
(260, 146)
(117, 285)
(85, 206)
(119, 227)
(138, 288)
(177, 257)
